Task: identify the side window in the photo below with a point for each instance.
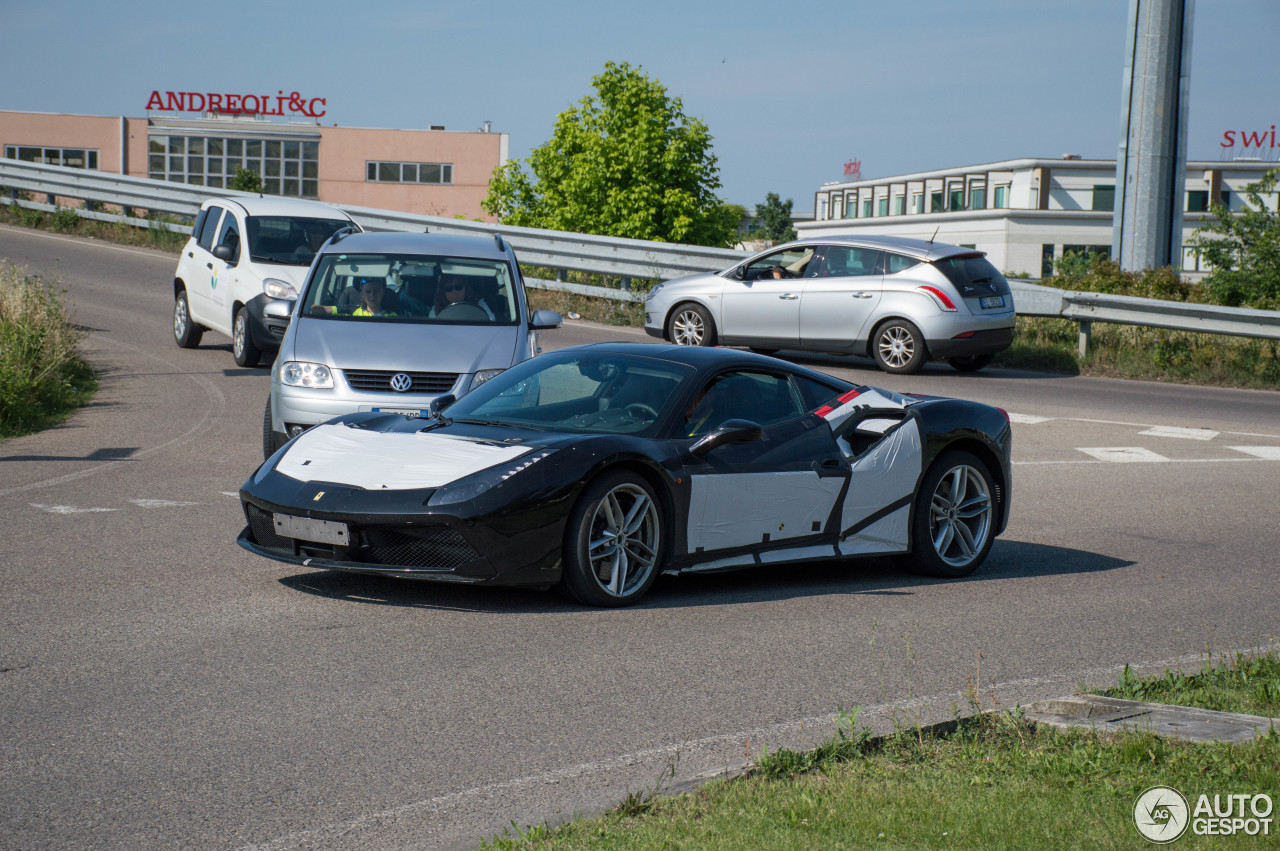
(789, 263)
(755, 396)
(813, 394)
(210, 228)
(195, 229)
(898, 263)
(229, 235)
(847, 261)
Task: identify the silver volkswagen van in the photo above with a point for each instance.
(395, 322)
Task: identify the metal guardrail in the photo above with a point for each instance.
(612, 256)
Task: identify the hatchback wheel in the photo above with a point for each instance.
(691, 325)
(954, 518)
(246, 353)
(613, 541)
(186, 333)
(898, 347)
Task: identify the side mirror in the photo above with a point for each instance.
(545, 320)
(223, 253)
(438, 404)
(729, 431)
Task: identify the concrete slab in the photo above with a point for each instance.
(1181, 722)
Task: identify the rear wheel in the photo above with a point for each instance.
(970, 363)
(691, 325)
(898, 347)
(246, 353)
(186, 333)
(613, 541)
(952, 530)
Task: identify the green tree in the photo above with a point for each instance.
(625, 162)
(773, 220)
(245, 180)
(1244, 248)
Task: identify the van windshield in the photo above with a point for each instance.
(412, 288)
(289, 240)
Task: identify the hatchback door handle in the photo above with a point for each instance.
(862, 295)
(789, 296)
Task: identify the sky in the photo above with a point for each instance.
(790, 92)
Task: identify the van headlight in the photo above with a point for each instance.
(302, 374)
(277, 288)
(482, 376)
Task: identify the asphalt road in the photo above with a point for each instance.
(160, 687)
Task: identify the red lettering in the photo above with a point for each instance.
(175, 102)
(251, 110)
(1273, 135)
(1228, 139)
(155, 102)
(280, 103)
(1252, 139)
(233, 104)
(191, 101)
(324, 102)
(215, 103)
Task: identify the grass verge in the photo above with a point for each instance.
(65, 220)
(989, 781)
(42, 376)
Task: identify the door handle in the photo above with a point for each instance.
(862, 295)
(789, 296)
(190, 254)
(208, 265)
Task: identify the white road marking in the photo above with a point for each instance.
(1028, 419)
(1124, 454)
(230, 493)
(1185, 433)
(160, 503)
(96, 243)
(1150, 425)
(68, 509)
(1267, 453)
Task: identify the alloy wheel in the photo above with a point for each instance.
(960, 514)
(624, 539)
(688, 329)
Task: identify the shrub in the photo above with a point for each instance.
(65, 220)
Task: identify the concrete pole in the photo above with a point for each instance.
(1152, 162)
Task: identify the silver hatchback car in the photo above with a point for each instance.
(399, 323)
(900, 301)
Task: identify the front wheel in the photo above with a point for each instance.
(613, 541)
(246, 353)
(955, 512)
(970, 363)
(898, 347)
(691, 325)
(186, 333)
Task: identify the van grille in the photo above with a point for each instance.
(379, 380)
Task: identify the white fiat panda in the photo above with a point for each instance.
(240, 272)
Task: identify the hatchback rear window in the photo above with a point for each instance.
(973, 275)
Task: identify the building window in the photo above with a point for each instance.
(956, 199)
(1104, 198)
(866, 208)
(68, 157)
(822, 208)
(900, 205)
(1197, 200)
(1002, 197)
(288, 167)
(850, 206)
(917, 202)
(1046, 260)
(935, 202)
(1087, 250)
(978, 199)
(434, 173)
(883, 207)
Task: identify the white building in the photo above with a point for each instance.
(1023, 213)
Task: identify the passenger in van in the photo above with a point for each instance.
(373, 294)
(458, 289)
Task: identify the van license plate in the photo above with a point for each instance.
(308, 529)
(993, 301)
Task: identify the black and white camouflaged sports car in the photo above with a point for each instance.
(596, 468)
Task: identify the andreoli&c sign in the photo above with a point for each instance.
(230, 104)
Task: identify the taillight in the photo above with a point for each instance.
(939, 297)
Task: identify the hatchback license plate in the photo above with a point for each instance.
(308, 529)
(993, 301)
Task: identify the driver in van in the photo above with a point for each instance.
(457, 289)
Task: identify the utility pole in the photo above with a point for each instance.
(1151, 168)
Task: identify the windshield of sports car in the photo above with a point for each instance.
(591, 392)
(289, 240)
(412, 288)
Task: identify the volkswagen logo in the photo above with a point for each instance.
(401, 382)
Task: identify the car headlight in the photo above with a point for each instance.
(277, 288)
(653, 292)
(303, 374)
(482, 376)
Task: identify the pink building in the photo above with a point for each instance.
(434, 172)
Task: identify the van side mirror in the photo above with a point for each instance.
(224, 253)
(544, 320)
(729, 431)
